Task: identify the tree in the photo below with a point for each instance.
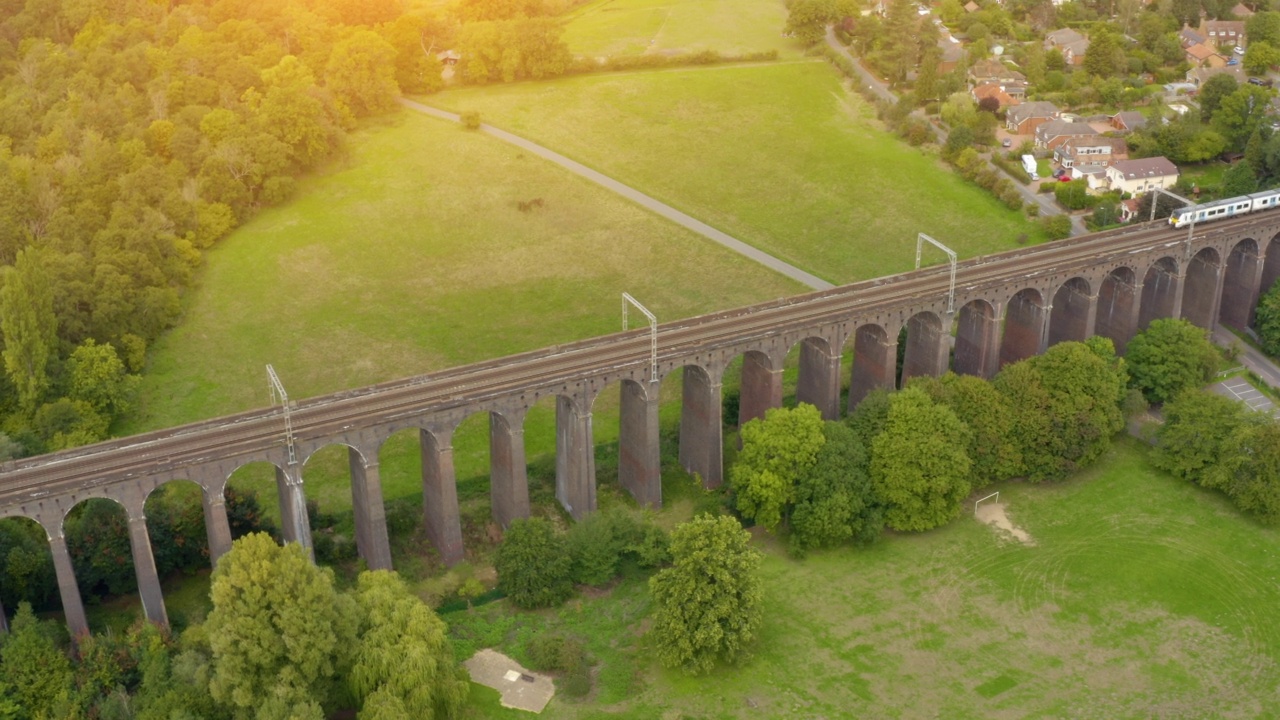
(1240, 114)
(1073, 195)
(1213, 91)
(29, 326)
(834, 502)
(534, 566)
(34, 668)
(279, 633)
(987, 413)
(919, 466)
(1261, 57)
(1255, 488)
(1105, 56)
(871, 415)
(776, 451)
(1056, 227)
(361, 73)
(98, 377)
(1168, 357)
(1085, 384)
(1239, 179)
(403, 651)
(807, 20)
(707, 605)
(1264, 27)
(1198, 429)
(1268, 320)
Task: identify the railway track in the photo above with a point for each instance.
(168, 451)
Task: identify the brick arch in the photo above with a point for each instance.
(1239, 289)
(1116, 314)
(1071, 314)
(1161, 283)
(927, 346)
(818, 383)
(977, 339)
(1024, 319)
(875, 359)
(1200, 297)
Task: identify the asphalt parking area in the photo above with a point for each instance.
(1241, 390)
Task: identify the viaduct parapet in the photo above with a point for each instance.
(1006, 307)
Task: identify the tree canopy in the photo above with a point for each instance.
(1169, 356)
(835, 501)
(919, 463)
(776, 451)
(534, 565)
(707, 605)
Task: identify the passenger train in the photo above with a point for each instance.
(1219, 209)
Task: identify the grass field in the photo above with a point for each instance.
(636, 27)
(1141, 597)
(778, 155)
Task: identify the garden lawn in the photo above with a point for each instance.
(637, 27)
(1142, 597)
(778, 155)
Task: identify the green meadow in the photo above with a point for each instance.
(779, 155)
(1139, 596)
(637, 27)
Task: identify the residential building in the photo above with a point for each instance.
(1201, 55)
(1189, 37)
(993, 90)
(1128, 210)
(1219, 33)
(1095, 176)
(1128, 121)
(1025, 118)
(952, 54)
(1197, 76)
(985, 71)
(1141, 176)
(1090, 150)
(1070, 43)
(1051, 134)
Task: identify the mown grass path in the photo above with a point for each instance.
(637, 197)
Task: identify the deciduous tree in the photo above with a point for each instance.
(1168, 357)
(402, 651)
(919, 466)
(707, 605)
(29, 326)
(534, 566)
(280, 633)
(835, 502)
(776, 451)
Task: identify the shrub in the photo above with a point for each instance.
(1056, 227)
(470, 119)
(534, 566)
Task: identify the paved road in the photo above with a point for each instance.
(881, 90)
(1250, 357)
(639, 198)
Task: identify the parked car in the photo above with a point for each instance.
(1006, 143)
(1238, 50)
(1060, 172)
(1260, 82)
(1064, 178)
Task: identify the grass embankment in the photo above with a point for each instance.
(1142, 596)
(778, 155)
(638, 27)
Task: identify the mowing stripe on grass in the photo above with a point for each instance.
(639, 198)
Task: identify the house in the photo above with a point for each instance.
(1070, 43)
(1140, 176)
(1094, 175)
(1055, 132)
(1201, 55)
(1128, 120)
(1090, 150)
(1128, 210)
(449, 57)
(1025, 118)
(993, 90)
(1241, 11)
(1221, 33)
(1197, 76)
(989, 70)
(952, 54)
(1190, 37)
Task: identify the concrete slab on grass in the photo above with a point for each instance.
(520, 688)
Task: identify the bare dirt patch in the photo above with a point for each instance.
(993, 514)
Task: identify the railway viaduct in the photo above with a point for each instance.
(1004, 308)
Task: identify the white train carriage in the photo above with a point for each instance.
(1216, 210)
(1265, 200)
